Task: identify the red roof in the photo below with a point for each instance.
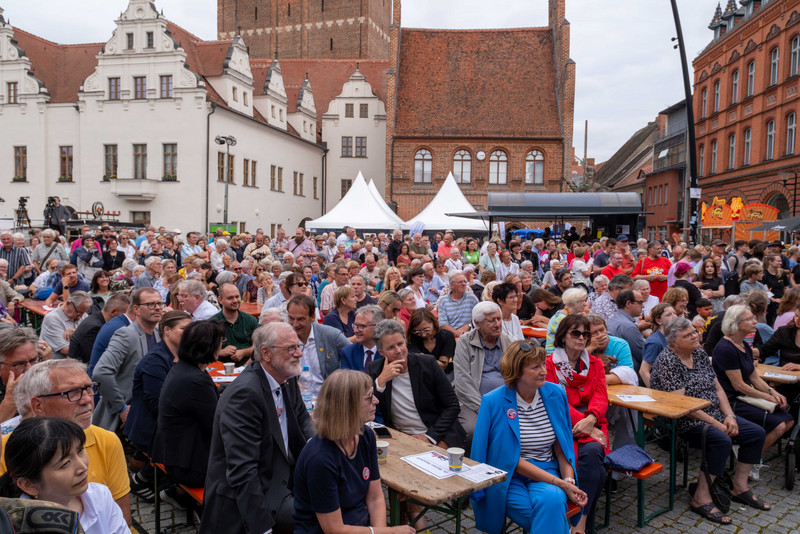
(477, 83)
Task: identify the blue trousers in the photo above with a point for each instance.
(591, 474)
(546, 505)
(718, 444)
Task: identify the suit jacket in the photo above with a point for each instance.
(114, 372)
(82, 340)
(434, 398)
(249, 471)
(496, 441)
(329, 341)
(353, 356)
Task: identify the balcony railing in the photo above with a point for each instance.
(134, 188)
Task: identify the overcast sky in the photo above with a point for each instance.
(627, 70)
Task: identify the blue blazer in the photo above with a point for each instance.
(353, 356)
(496, 442)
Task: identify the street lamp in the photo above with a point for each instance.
(786, 176)
(228, 141)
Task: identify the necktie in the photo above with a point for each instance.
(367, 359)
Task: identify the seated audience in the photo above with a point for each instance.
(70, 281)
(623, 323)
(660, 316)
(455, 308)
(574, 300)
(19, 351)
(343, 315)
(506, 295)
(59, 325)
(389, 302)
(82, 340)
(239, 326)
(425, 337)
(359, 355)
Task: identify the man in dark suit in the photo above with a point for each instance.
(260, 427)
(424, 400)
(359, 355)
(82, 340)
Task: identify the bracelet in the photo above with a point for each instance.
(729, 415)
(569, 479)
(770, 390)
(371, 530)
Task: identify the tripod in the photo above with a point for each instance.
(22, 220)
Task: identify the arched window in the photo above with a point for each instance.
(704, 103)
(794, 67)
(791, 128)
(774, 65)
(713, 157)
(751, 78)
(748, 135)
(735, 87)
(423, 165)
(716, 96)
(498, 167)
(732, 151)
(534, 168)
(462, 166)
(770, 152)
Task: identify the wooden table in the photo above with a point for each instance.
(36, 308)
(251, 308)
(530, 331)
(433, 494)
(668, 405)
(762, 369)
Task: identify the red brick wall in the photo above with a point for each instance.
(667, 209)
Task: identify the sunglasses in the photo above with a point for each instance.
(577, 334)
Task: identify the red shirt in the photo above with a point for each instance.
(658, 266)
(611, 272)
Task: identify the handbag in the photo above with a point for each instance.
(761, 404)
(629, 458)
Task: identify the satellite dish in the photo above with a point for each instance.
(97, 210)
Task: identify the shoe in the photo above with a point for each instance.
(175, 498)
(142, 489)
(705, 512)
(755, 472)
(751, 500)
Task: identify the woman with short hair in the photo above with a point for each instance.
(660, 316)
(425, 336)
(506, 296)
(343, 316)
(574, 300)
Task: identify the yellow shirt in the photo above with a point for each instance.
(106, 461)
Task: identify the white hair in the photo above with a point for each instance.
(149, 261)
(482, 309)
(573, 295)
(220, 241)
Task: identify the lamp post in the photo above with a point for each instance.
(785, 176)
(228, 141)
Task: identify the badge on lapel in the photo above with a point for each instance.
(511, 413)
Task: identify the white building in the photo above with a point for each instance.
(132, 123)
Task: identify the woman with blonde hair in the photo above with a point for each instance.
(392, 281)
(390, 303)
(343, 316)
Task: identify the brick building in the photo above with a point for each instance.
(746, 104)
(300, 29)
(495, 107)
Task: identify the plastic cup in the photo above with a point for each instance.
(383, 451)
(455, 458)
(229, 366)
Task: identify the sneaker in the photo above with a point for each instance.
(142, 489)
(755, 472)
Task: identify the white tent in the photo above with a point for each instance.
(359, 209)
(449, 199)
(382, 203)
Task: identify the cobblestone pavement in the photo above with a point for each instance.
(783, 518)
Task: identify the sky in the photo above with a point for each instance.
(626, 68)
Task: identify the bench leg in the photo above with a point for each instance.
(157, 501)
(672, 463)
(394, 508)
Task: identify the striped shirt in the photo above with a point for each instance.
(16, 257)
(456, 313)
(536, 432)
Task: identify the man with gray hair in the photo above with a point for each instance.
(19, 350)
(19, 264)
(59, 325)
(476, 363)
(216, 256)
(260, 428)
(606, 304)
(192, 298)
(283, 293)
(48, 248)
(152, 273)
(82, 341)
(61, 388)
(455, 308)
(359, 355)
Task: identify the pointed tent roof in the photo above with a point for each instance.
(359, 209)
(382, 203)
(449, 199)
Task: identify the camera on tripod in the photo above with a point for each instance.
(23, 201)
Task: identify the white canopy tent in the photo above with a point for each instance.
(359, 209)
(449, 199)
(382, 203)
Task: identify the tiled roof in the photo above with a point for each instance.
(477, 83)
(630, 154)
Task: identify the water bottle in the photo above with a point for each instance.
(304, 382)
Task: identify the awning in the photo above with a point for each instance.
(791, 224)
(518, 206)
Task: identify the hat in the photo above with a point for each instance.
(682, 267)
(177, 231)
(776, 243)
(622, 237)
(718, 243)
(226, 233)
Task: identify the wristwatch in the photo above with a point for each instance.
(569, 479)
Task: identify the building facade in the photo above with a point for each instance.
(746, 105)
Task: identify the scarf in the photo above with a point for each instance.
(564, 370)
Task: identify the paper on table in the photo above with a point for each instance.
(432, 463)
(225, 379)
(237, 370)
(48, 308)
(636, 398)
(778, 375)
(481, 472)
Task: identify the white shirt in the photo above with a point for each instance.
(280, 407)
(404, 412)
(311, 359)
(513, 329)
(101, 515)
(206, 310)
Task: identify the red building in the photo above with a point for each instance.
(746, 105)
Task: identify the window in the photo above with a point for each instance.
(348, 111)
(660, 191)
(166, 86)
(140, 162)
(361, 147)
(129, 38)
(253, 174)
(220, 166)
(363, 111)
(110, 161)
(244, 98)
(748, 135)
(65, 163)
(716, 96)
(773, 66)
(246, 172)
(534, 168)
(462, 166)
(231, 166)
(423, 166)
(732, 151)
(280, 115)
(735, 87)
(751, 78)
(139, 87)
(140, 217)
(235, 94)
(652, 196)
(170, 161)
(280, 179)
(314, 183)
(347, 147)
(13, 92)
(713, 157)
(113, 89)
(791, 128)
(703, 103)
(794, 65)
(498, 167)
(20, 163)
(666, 193)
(150, 40)
(273, 178)
(701, 160)
(346, 184)
(273, 112)
(300, 182)
(770, 152)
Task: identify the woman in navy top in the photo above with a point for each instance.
(336, 479)
(343, 316)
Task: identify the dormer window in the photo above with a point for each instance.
(150, 40)
(273, 112)
(235, 94)
(13, 92)
(280, 114)
(129, 38)
(244, 98)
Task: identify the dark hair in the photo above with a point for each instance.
(170, 319)
(35, 442)
(200, 342)
(503, 291)
(561, 273)
(540, 295)
(703, 275)
(619, 281)
(739, 243)
(702, 303)
(136, 296)
(400, 250)
(656, 313)
(95, 285)
(625, 296)
(568, 323)
(416, 271)
(302, 300)
(420, 315)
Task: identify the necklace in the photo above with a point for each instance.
(343, 448)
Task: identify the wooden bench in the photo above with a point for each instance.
(195, 493)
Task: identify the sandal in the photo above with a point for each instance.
(705, 512)
(747, 497)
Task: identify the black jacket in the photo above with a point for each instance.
(782, 340)
(82, 340)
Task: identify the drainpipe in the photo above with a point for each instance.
(208, 165)
(324, 178)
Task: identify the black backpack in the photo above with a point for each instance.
(731, 283)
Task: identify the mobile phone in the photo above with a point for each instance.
(382, 432)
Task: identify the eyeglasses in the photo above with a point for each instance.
(577, 334)
(301, 284)
(74, 394)
(152, 305)
(21, 366)
(638, 301)
(291, 349)
(422, 331)
(237, 268)
(357, 326)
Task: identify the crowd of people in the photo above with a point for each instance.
(423, 334)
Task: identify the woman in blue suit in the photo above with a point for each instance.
(524, 428)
